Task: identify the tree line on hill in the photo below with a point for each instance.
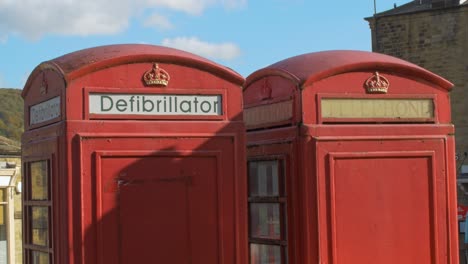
(11, 114)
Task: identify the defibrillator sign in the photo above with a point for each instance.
(155, 104)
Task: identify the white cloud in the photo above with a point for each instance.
(194, 7)
(224, 51)
(64, 17)
(158, 21)
(35, 18)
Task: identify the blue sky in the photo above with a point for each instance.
(244, 35)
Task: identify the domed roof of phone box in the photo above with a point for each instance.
(79, 63)
(307, 68)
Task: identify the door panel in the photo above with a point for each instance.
(383, 202)
(160, 209)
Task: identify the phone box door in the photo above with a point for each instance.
(165, 206)
(383, 201)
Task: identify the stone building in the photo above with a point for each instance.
(434, 35)
(10, 202)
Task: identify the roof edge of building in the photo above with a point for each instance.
(393, 12)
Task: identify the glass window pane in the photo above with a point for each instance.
(265, 254)
(40, 225)
(265, 220)
(263, 178)
(39, 185)
(40, 257)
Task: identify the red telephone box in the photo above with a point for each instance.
(350, 160)
(134, 154)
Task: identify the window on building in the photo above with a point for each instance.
(37, 213)
(267, 212)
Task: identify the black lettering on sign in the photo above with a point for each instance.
(150, 104)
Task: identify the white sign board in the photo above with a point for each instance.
(44, 111)
(155, 104)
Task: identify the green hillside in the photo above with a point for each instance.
(11, 114)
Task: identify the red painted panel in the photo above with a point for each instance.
(212, 198)
(166, 210)
(269, 89)
(266, 97)
(382, 209)
(383, 202)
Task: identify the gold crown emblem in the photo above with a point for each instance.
(156, 76)
(377, 84)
